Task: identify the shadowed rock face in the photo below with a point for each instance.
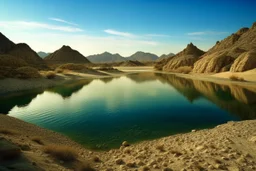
(5, 44)
(66, 55)
(221, 56)
(187, 57)
(20, 51)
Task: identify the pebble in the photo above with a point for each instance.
(125, 144)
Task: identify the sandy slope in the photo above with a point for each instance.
(231, 146)
(247, 75)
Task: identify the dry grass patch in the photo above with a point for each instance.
(236, 78)
(59, 70)
(38, 140)
(61, 152)
(50, 75)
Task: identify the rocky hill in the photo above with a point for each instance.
(187, 57)
(106, 57)
(143, 57)
(66, 55)
(235, 53)
(20, 51)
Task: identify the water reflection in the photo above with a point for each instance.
(101, 113)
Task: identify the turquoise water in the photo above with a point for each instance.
(102, 113)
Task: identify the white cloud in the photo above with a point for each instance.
(200, 33)
(63, 21)
(157, 35)
(30, 25)
(118, 33)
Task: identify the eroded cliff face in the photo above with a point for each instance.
(234, 53)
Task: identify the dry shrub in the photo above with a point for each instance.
(27, 72)
(61, 152)
(50, 75)
(83, 167)
(106, 68)
(59, 70)
(236, 78)
(71, 66)
(184, 69)
(38, 140)
(7, 132)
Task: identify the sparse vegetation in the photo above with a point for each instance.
(38, 140)
(236, 78)
(106, 68)
(27, 72)
(50, 75)
(61, 152)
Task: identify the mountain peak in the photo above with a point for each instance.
(65, 47)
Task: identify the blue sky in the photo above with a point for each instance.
(123, 26)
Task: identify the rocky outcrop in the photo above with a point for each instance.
(237, 47)
(66, 55)
(245, 61)
(216, 62)
(187, 57)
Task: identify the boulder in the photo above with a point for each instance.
(244, 62)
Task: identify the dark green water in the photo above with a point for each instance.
(102, 113)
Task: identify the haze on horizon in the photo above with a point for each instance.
(124, 27)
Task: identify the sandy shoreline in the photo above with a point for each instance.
(11, 85)
(229, 146)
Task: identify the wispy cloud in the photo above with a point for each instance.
(119, 33)
(28, 25)
(157, 35)
(200, 33)
(63, 21)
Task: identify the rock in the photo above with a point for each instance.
(145, 168)
(212, 63)
(244, 62)
(125, 144)
(253, 139)
(193, 130)
(131, 164)
(119, 161)
(167, 169)
(8, 151)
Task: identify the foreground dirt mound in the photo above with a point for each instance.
(187, 57)
(223, 54)
(66, 55)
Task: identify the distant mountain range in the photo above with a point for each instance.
(164, 56)
(43, 54)
(107, 57)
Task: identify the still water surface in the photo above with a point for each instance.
(101, 113)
